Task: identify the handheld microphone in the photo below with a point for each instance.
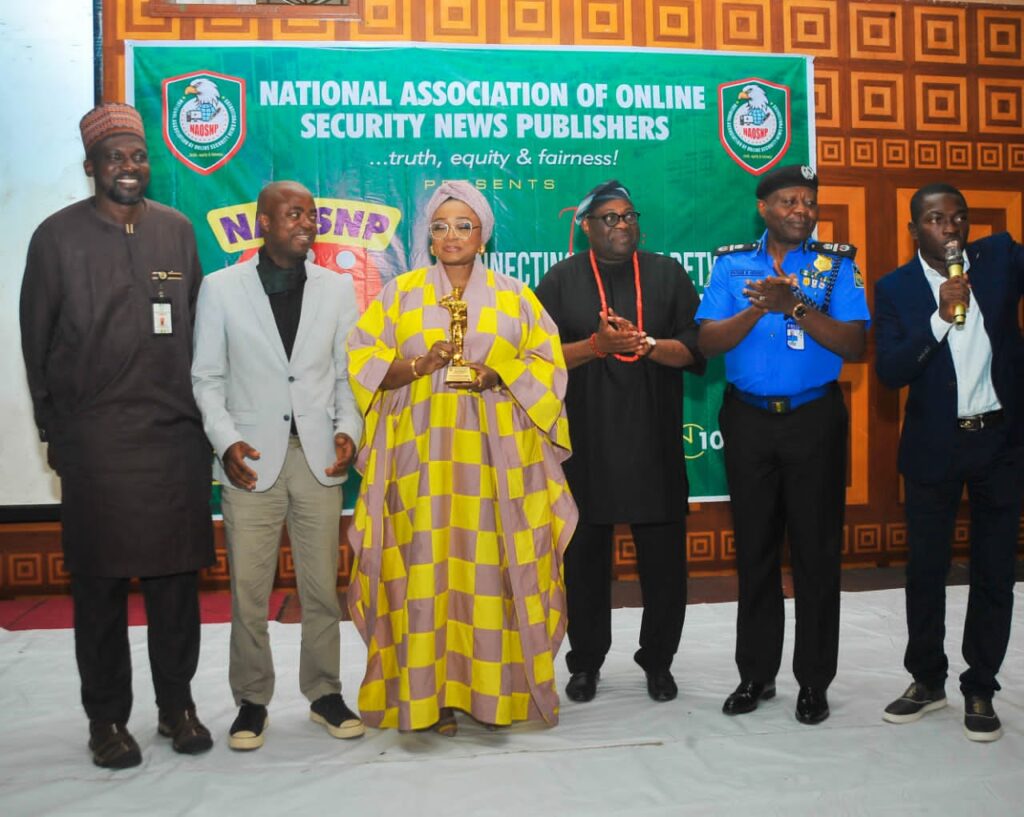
(955, 268)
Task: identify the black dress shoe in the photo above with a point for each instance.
(582, 686)
(746, 696)
(661, 686)
(811, 705)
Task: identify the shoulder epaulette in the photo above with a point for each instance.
(843, 250)
(731, 248)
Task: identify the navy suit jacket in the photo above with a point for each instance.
(907, 353)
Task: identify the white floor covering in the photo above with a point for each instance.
(621, 754)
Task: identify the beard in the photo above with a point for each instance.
(118, 194)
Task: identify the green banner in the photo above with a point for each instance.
(373, 130)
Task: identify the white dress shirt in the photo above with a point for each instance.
(971, 350)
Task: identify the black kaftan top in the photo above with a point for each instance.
(113, 399)
(625, 419)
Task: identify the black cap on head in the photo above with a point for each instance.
(786, 176)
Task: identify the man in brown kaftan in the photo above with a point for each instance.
(107, 304)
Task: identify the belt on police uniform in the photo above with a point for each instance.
(980, 421)
(781, 404)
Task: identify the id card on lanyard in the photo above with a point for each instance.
(162, 323)
(161, 304)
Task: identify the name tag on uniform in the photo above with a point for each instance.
(162, 324)
(794, 336)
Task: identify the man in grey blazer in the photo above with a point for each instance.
(270, 377)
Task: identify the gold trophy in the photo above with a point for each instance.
(459, 374)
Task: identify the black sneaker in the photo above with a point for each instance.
(914, 703)
(246, 732)
(331, 713)
(981, 723)
(113, 746)
(188, 735)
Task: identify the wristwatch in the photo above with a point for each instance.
(799, 312)
(652, 341)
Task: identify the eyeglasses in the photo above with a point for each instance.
(460, 229)
(611, 219)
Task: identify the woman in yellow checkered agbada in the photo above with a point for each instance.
(464, 511)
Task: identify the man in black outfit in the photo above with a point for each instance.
(626, 322)
(964, 425)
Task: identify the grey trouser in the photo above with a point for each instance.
(253, 523)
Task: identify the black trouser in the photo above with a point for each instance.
(661, 562)
(787, 479)
(991, 470)
(103, 652)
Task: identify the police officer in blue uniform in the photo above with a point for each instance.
(786, 312)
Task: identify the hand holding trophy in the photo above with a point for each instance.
(458, 374)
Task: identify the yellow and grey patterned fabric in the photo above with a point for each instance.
(464, 511)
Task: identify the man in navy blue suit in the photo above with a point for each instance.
(964, 425)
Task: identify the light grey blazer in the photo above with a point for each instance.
(246, 387)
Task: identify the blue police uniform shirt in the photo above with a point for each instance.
(769, 360)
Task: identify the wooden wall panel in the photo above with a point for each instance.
(743, 25)
(940, 35)
(456, 21)
(674, 23)
(905, 93)
(31, 560)
(876, 31)
(530, 22)
(384, 20)
(999, 37)
(810, 27)
(602, 22)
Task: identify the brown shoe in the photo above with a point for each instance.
(113, 746)
(446, 725)
(188, 735)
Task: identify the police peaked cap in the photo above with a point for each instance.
(786, 176)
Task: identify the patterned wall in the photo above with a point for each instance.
(905, 93)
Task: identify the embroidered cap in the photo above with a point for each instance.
(107, 120)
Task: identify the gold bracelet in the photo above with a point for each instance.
(415, 375)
